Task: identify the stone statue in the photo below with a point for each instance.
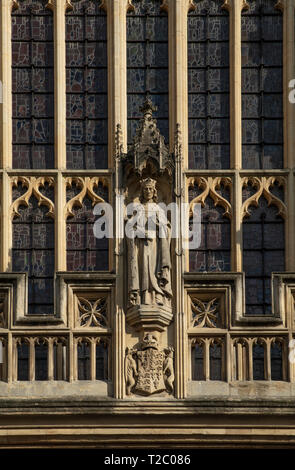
(169, 370)
(149, 262)
(130, 371)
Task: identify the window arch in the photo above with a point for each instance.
(214, 252)
(263, 243)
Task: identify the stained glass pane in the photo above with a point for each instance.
(213, 254)
(85, 252)
(86, 86)
(101, 362)
(41, 361)
(33, 250)
(263, 253)
(147, 63)
(208, 86)
(32, 85)
(83, 353)
(258, 362)
(262, 85)
(23, 361)
(215, 362)
(276, 362)
(197, 362)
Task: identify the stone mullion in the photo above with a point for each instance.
(178, 118)
(59, 361)
(32, 371)
(235, 8)
(60, 224)
(250, 359)
(237, 225)
(288, 8)
(11, 358)
(239, 361)
(117, 72)
(6, 8)
(206, 358)
(50, 359)
(267, 359)
(72, 358)
(6, 220)
(117, 116)
(229, 350)
(59, 8)
(93, 359)
(178, 89)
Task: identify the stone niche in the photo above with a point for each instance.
(148, 171)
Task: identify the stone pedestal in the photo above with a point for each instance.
(149, 317)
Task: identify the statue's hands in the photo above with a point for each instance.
(133, 296)
(163, 277)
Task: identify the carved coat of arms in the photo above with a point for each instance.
(149, 370)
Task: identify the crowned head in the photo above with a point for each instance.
(148, 190)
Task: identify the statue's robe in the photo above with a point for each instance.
(149, 262)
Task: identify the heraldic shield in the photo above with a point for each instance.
(150, 372)
(147, 369)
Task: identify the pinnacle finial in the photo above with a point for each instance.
(148, 107)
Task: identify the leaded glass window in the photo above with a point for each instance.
(208, 86)
(276, 361)
(263, 253)
(85, 252)
(214, 252)
(262, 85)
(33, 249)
(101, 361)
(41, 361)
(197, 362)
(32, 85)
(147, 63)
(258, 362)
(86, 86)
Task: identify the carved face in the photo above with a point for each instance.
(148, 192)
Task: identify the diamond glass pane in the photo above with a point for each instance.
(262, 85)
(33, 250)
(208, 86)
(32, 85)
(147, 63)
(86, 86)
